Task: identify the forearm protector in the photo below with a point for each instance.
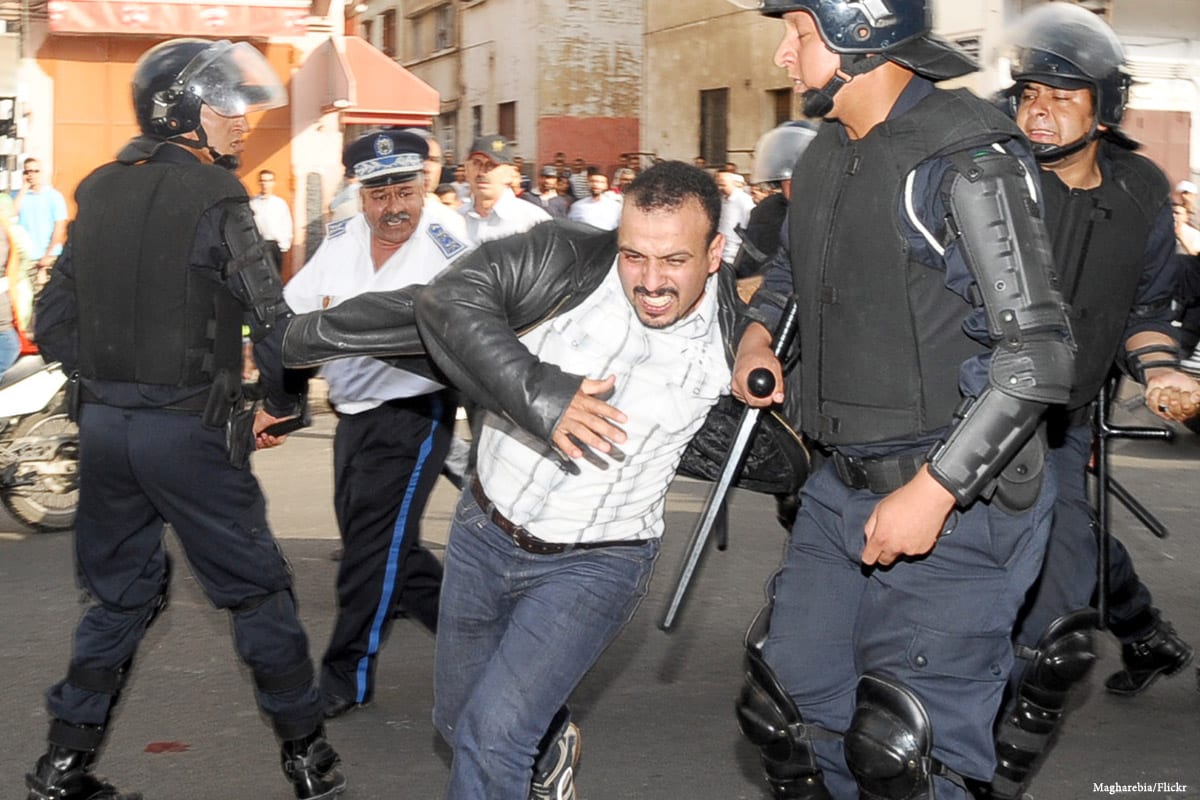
(1032, 366)
(250, 273)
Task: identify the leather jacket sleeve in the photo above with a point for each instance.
(470, 318)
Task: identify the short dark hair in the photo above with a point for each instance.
(443, 188)
(667, 185)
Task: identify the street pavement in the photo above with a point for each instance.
(656, 713)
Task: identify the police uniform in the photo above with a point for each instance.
(1114, 246)
(392, 436)
(148, 344)
(894, 333)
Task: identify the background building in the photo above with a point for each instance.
(711, 89)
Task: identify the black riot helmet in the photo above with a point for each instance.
(173, 79)
(861, 30)
(1067, 47)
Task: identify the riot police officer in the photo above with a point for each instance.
(145, 309)
(1109, 217)
(932, 339)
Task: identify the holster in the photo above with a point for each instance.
(1018, 486)
(227, 408)
(74, 397)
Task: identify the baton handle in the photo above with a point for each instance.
(785, 332)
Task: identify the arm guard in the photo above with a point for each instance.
(250, 273)
(1006, 248)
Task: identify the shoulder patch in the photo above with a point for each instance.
(445, 241)
(336, 228)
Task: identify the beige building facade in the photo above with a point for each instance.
(550, 75)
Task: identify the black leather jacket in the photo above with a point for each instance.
(469, 317)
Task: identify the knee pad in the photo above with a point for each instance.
(769, 718)
(890, 741)
(1063, 656)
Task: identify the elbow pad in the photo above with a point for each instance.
(250, 273)
(995, 219)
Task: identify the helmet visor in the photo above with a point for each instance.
(234, 80)
(1067, 32)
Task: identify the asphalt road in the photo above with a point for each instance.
(656, 713)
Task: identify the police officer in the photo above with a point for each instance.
(1109, 215)
(393, 426)
(145, 310)
(775, 154)
(928, 353)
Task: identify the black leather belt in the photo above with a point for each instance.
(880, 475)
(526, 540)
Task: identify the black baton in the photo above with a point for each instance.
(1105, 483)
(761, 383)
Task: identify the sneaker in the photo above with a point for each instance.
(1160, 653)
(557, 781)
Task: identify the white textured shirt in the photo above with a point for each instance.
(666, 381)
(735, 211)
(273, 219)
(602, 212)
(510, 215)
(342, 268)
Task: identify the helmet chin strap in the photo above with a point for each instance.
(819, 102)
(1049, 153)
(225, 161)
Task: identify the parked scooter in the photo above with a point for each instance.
(39, 446)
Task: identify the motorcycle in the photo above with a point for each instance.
(39, 446)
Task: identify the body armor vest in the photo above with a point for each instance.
(1100, 238)
(881, 336)
(146, 316)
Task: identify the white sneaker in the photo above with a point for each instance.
(558, 781)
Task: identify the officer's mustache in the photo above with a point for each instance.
(392, 219)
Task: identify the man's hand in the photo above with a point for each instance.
(908, 521)
(589, 420)
(754, 351)
(1172, 395)
(263, 420)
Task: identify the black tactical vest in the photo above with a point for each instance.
(1100, 238)
(144, 315)
(881, 336)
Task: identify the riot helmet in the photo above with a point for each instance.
(1067, 47)
(862, 30)
(173, 79)
(777, 151)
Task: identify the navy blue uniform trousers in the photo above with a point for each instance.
(940, 624)
(138, 469)
(1068, 579)
(386, 462)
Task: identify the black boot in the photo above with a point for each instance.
(63, 774)
(1160, 653)
(311, 765)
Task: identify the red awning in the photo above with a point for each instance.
(366, 86)
(258, 18)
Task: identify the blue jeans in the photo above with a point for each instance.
(940, 624)
(516, 634)
(10, 348)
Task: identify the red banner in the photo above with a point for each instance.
(156, 17)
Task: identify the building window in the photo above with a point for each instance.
(507, 113)
(476, 121)
(449, 135)
(971, 45)
(388, 21)
(781, 105)
(365, 28)
(714, 125)
(443, 36)
(416, 48)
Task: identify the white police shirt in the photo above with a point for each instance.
(666, 381)
(510, 215)
(342, 268)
